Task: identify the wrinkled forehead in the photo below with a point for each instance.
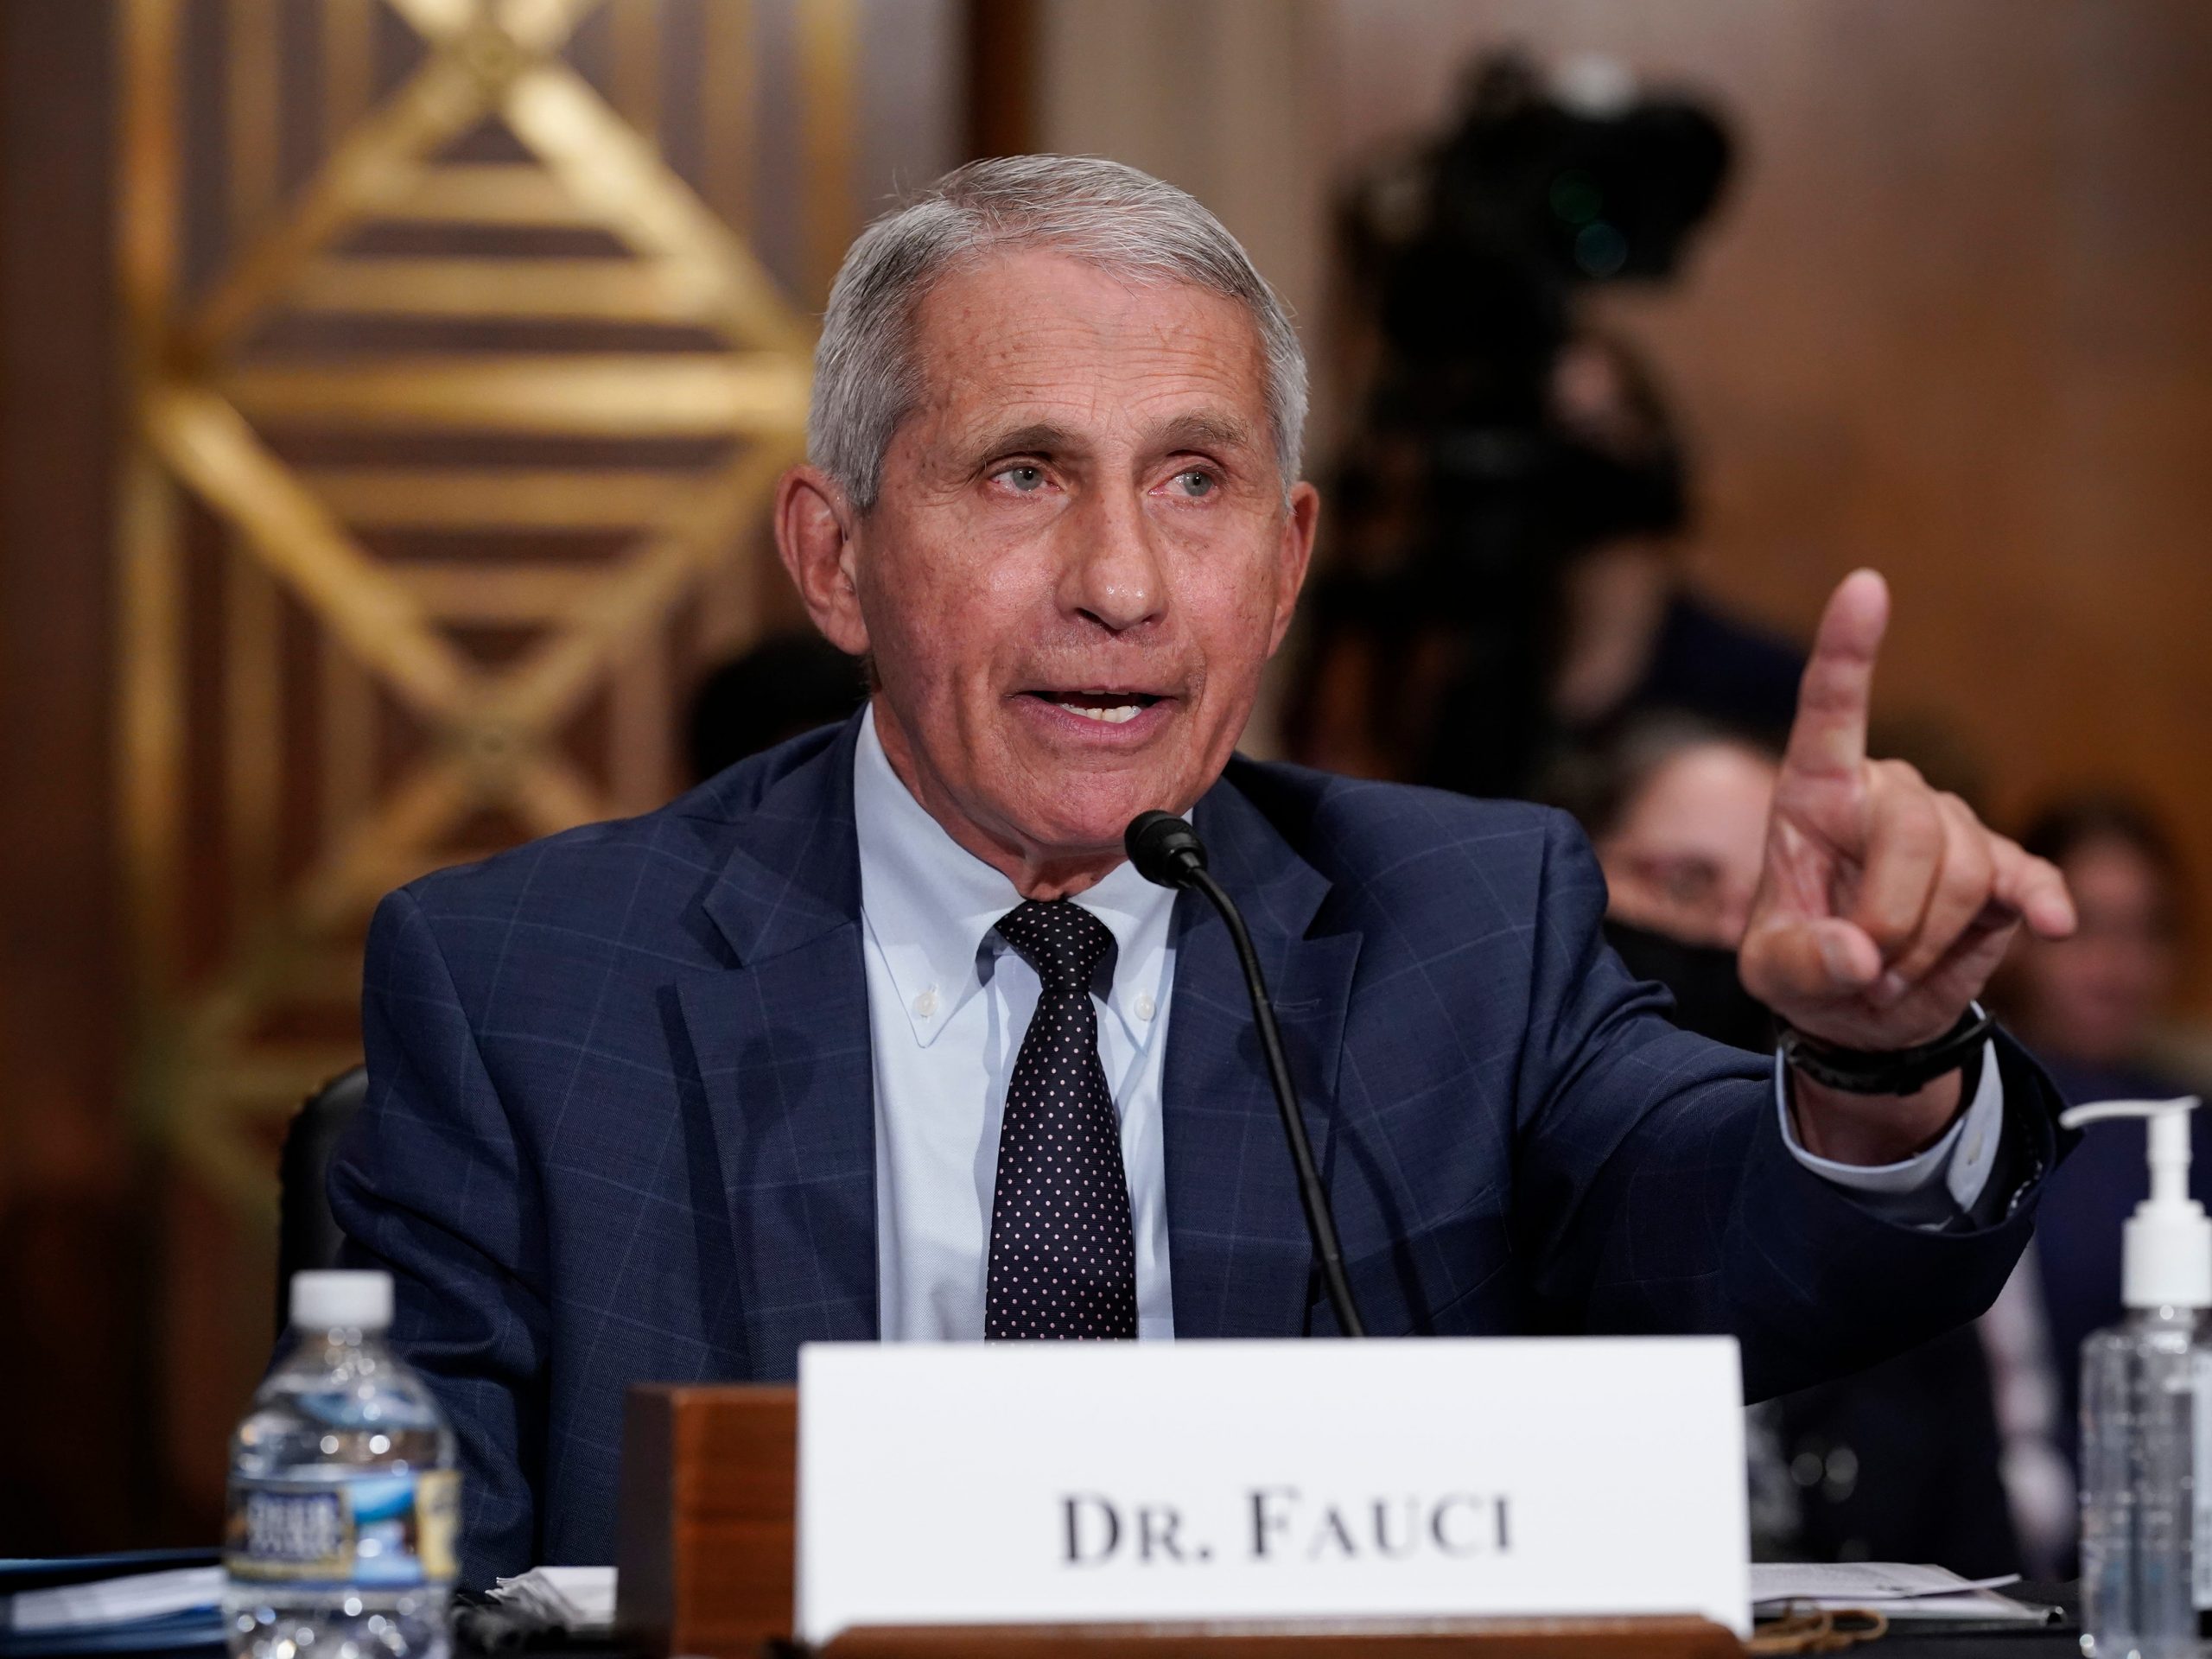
(1031, 336)
(1708, 793)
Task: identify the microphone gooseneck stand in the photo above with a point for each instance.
(1166, 850)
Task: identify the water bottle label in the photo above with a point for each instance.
(393, 1530)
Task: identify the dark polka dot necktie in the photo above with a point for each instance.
(1063, 1253)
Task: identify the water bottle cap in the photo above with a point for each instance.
(327, 1301)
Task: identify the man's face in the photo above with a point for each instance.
(1685, 858)
(2096, 995)
(1080, 558)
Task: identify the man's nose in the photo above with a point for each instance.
(1114, 575)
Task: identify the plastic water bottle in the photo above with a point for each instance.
(2146, 1416)
(344, 1499)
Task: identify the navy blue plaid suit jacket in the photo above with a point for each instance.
(620, 1119)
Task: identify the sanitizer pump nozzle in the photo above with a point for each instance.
(2166, 1246)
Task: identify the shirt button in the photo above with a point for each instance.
(925, 1004)
(1145, 1008)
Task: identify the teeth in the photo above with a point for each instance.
(1120, 713)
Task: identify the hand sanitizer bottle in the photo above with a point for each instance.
(2147, 1415)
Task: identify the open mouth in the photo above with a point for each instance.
(1108, 708)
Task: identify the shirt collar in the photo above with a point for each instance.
(931, 906)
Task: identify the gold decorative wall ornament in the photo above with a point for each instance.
(547, 407)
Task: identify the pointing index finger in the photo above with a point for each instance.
(1829, 737)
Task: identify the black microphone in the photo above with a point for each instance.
(1166, 850)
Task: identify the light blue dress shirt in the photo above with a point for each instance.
(949, 1002)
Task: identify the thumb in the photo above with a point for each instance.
(1789, 960)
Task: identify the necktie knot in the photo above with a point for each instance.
(1059, 939)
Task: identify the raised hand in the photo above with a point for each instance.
(1885, 905)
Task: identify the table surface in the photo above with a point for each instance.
(1904, 1641)
(481, 1633)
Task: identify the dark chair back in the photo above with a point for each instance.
(307, 1233)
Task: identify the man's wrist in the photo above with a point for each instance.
(1850, 1128)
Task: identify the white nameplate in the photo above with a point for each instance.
(1073, 1482)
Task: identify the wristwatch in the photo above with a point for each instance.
(1892, 1071)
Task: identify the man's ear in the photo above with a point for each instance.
(813, 533)
(1296, 552)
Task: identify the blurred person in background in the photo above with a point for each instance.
(1480, 624)
(2089, 1008)
(1675, 806)
(1635, 633)
(1898, 1463)
(1685, 837)
(784, 684)
(2091, 1004)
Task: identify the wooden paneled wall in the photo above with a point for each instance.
(70, 1272)
(270, 271)
(1955, 322)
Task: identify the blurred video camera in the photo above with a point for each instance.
(1500, 438)
(1471, 253)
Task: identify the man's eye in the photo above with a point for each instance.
(1196, 482)
(1023, 480)
(1691, 883)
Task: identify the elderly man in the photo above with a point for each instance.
(876, 1035)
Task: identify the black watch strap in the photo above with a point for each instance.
(1896, 1072)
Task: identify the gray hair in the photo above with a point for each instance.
(1101, 213)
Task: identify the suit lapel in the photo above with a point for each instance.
(785, 1070)
(1240, 1256)
(785, 1076)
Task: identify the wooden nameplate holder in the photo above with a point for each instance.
(709, 1482)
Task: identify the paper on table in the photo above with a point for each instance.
(112, 1601)
(18, 1575)
(1897, 1589)
(566, 1598)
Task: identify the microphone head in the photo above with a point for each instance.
(1164, 848)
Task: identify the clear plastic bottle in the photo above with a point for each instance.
(2139, 1463)
(2146, 1416)
(344, 1499)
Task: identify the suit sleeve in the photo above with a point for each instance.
(1654, 1191)
(430, 1186)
